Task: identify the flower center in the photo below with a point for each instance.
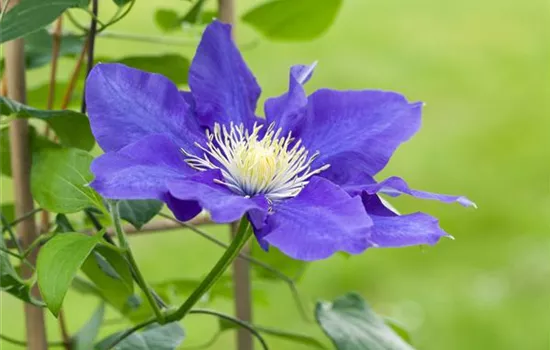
(274, 166)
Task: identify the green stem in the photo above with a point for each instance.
(243, 234)
(25, 344)
(234, 320)
(38, 241)
(123, 242)
(6, 226)
(113, 21)
(291, 282)
(7, 251)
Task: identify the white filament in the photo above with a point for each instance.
(272, 166)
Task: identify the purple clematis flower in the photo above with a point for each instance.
(303, 175)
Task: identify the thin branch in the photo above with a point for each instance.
(37, 242)
(206, 345)
(56, 46)
(24, 343)
(73, 20)
(4, 9)
(147, 38)
(9, 252)
(144, 324)
(91, 46)
(74, 78)
(124, 14)
(21, 218)
(138, 277)
(63, 329)
(6, 226)
(289, 281)
(241, 323)
(99, 227)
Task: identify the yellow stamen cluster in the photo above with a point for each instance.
(278, 167)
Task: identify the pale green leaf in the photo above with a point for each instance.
(84, 339)
(351, 325)
(156, 337)
(110, 274)
(294, 20)
(60, 178)
(139, 212)
(57, 264)
(72, 128)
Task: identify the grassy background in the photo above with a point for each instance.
(482, 69)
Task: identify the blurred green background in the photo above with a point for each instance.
(482, 69)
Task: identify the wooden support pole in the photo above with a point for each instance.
(21, 169)
(241, 268)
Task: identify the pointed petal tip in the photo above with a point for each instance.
(466, 202)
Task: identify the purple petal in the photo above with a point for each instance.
(357, 130)
(224, 206)
(139, 170)
(320, 221)
(126, 104)
(405, 230)
(395, 186)
(391, 230)
(287, 109)
(223, 87)
(183, 210)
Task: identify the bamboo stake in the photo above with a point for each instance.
(21, 168)
(241, 268)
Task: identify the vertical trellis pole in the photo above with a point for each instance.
(241, 268)
(21, 168)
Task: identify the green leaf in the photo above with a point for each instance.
(279, 333)
(85, 338)
(121, 3)
(293, 20)
(111, 275)
(194, 14)
(60, 178)
(156, 337)
(8, 211)
(72, 128)
(57, 264)
(351, 325)
(290, 267)
(37, 142)
(30, 15)
(174, 67)
(167, 20)
(114, 264)
(63, 224)
(5, 155)
(399, 329)
(139, 212)
(82, 286)
(38, 47)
